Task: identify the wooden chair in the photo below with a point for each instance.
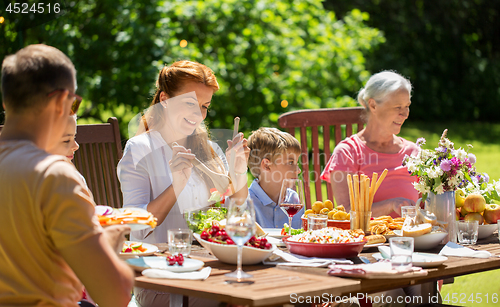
(327, 125)
(99, 153)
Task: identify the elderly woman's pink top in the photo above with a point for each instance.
(353, 156)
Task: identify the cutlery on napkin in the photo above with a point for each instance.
(196, 275)
(299, 260)
(381, 269)
(453, 249)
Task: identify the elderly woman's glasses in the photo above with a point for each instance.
(76, 103)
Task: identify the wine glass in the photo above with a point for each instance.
(240, 226)
(291, 199)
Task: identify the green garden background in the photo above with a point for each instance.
(311, 53)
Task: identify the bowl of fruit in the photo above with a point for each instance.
(337, 217)
(216, 241)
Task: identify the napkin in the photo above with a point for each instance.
(382, 269)
(196, 275)
(453, 249)
(298, 260)
(385, 251)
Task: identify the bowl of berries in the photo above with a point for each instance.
(216, 240)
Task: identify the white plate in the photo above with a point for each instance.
(228, 253)
(150, 250)
(372, 245)
(273, 232)
(161, 263)
(427, 241)
(424, 260)
(485, 231)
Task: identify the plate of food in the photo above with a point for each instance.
(274, 232)
(138, 248)
(153, 262)
(424, 241)
(327, 243)
(136, 218)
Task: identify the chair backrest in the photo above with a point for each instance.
(97, 159)
(325, 126)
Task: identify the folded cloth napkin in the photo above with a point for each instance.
(196, 275)
(290, 259)
(453, 249)
(382, 269)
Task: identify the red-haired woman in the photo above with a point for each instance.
(156, 172)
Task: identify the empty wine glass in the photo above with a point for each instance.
(240, 226)
(291, 199)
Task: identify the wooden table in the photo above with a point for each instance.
(275, 286)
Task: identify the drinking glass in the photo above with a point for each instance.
(467, 232)
(401, 252)
(240, 226)
(410, 211)
(316, 221)
(179, 241)
(291, 198)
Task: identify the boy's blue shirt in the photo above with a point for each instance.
(267, 212)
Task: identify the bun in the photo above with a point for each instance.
(417, 230)
(375, 239)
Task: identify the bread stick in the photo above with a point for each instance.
(372, 187)
(351, 191)
(379, 181)
(355, 179)
(368, 206)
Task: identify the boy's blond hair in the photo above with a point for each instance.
(269, 143)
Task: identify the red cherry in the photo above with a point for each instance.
(229, 241)
(268, 245)
(180, 259)
(204, 235)
(171, 260)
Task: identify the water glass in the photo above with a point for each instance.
(360, 220)
(401, 252)
(410, 211)
(240, 226)
(467, 232)
(316, 221)
(179, 241)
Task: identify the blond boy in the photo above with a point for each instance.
(274, 157)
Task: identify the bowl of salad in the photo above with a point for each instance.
(198, 220)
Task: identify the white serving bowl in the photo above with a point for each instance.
(228, 253)
(427, 241)
(485, 231)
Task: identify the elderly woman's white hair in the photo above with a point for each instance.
(381, 85)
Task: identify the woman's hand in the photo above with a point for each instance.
(386, 207)
(242, 152)
(181, 167)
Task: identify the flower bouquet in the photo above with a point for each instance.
(442, 169)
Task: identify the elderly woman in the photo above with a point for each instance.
(386, 99)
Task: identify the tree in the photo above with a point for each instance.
(262, 52)
(449, 49)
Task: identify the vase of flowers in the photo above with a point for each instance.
(440, 172)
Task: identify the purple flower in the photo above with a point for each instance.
(486, 178)
(472, 158)
(446, 165)
(441, 149)
(456, 162)
(420, 141)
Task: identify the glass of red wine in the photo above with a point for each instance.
(291, 199)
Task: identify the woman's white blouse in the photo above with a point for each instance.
(144, 173)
